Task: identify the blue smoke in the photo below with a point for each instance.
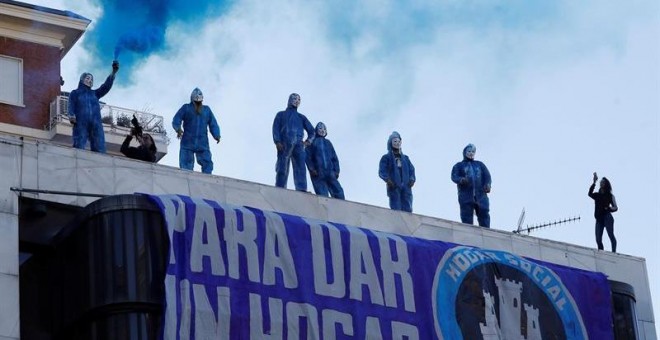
(131, 30)
(142, 41)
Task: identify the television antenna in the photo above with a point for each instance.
(529, 228)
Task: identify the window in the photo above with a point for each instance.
(11, 80)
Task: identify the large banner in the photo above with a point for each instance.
(242, 273)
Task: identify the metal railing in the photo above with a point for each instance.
(117, 118)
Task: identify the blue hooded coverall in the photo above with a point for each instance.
(401, 175)
(472, 179)
(84, 106)
(322, 160)
(288, 128)
(195, 140)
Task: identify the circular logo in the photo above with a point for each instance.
(489, 294)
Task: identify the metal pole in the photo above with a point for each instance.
(54, 192)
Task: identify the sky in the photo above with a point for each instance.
(548, 91)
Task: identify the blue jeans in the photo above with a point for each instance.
(605, 222)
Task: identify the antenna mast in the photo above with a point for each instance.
(521, 219)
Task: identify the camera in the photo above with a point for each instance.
(137, 128)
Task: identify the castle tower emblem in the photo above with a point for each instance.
(511, 309)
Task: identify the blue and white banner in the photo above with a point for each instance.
(242, 273)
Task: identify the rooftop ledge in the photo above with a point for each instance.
(44, 165)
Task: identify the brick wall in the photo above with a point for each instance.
(41, 82)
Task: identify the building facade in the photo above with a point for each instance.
(45, 183)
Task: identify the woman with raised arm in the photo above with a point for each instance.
(605, 205)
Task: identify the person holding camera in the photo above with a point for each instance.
(145, 152)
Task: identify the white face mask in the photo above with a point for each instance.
(197, 96)
(321, 131)
(469, 153)
(294, 100)
(396, 143)
(88, 80)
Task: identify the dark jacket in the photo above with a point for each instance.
(605, 203)
(140, 153)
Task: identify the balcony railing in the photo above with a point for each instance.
(118, 119)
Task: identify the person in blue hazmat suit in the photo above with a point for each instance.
(288, 130)
(85, 111)
(196, 118)
(473, 181)
(323, 165)
(398, 173)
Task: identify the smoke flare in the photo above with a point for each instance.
(140, 27)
